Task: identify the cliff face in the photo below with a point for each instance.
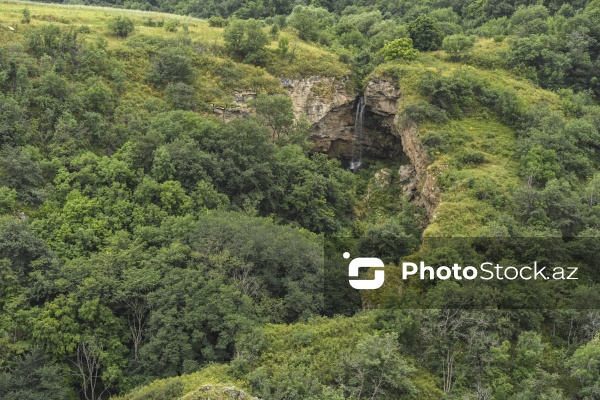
(330, 106)
(327, 104)
(420, 180)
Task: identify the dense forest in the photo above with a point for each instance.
(152, 247)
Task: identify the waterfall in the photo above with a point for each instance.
(358, 135)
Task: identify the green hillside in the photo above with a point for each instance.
(151, 247)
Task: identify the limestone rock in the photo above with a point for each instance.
(317, 96)
(382, 97)
(406, 172)
(383, 178)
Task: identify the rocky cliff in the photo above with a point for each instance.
(330, 104)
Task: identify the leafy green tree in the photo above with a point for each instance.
(425, 33)
(529, 20)
(181, 96)
(283, 46)
(246, 40)
(171, 65)
(399, 49)
(458, 46)
(121, 26)
(308, 21)
(277, 113)
(377, 370)
(388, 241)
(585, 366)
(20, 171)
(33, 376)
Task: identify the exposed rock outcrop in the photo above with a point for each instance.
(382, 97)
(331, 109)
(317, 96)
(329, 104)
(418, 180)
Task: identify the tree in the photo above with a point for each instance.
(425, 33)
(376, 370)
(246, 40)
(399, 49)
(276, 111)
(181, 96)
(309, 21)
(121, 26)
(33, 376)
(458, 46)
(585, 366)
(283, 46)
(171, 65)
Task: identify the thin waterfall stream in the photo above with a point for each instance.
(357, 140)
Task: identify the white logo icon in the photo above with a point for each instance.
(365, 262)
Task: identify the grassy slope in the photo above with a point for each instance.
(310, 59)
(461, 212)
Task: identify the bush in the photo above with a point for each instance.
(121, 26)
(171, 25)
(472, 157)
(246, 39)
(458, 46)
(217, 22)
(436, 142)
(423, 111)
(426, 33)
(181, 96)
(26, 16)
(453, 94)
(399, 49)
(171, 64)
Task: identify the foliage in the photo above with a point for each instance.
(399, 48)
(246, 40)
(121, 26)
(142, 237)
(26, 16)
(308, 21)
(425, 33)
(457, 46)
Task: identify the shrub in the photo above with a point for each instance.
(425, 33)
(171, 25)
(171, 64)
(121, 26)
(471, 157)
(423, 111)
(283, 46)
(181, 96)
(246, 39)
(217, 22)
(453, 94)
(458, 46)
(399, 49)
(26, 16)
(436, 142)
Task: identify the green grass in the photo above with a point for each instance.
(184, 386)
(473, 195)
